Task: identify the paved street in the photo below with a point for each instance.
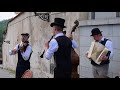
(6, 73)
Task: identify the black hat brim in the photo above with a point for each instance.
(96, 33)
(25, 34)
(53, 24)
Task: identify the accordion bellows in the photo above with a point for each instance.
(96, 51)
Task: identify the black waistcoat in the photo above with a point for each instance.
(22, 65)
(62, 56)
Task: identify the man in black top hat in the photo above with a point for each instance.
(60, 48)
(24, 51)
(101, 70)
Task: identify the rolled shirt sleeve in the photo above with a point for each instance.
(74, 44)
(53, 47)
(12, 53)
(109, 45)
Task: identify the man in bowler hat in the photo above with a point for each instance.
(60, 47)
(101, 71)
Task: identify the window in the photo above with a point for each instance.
(117, 14)
(92, 15)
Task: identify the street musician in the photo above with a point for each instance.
(100, 69)
(24, 51)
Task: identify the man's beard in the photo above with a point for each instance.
(24, 40)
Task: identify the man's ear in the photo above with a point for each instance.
(55, 29)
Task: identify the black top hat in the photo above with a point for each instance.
(95, 31)
(27, 34)
(59, 22)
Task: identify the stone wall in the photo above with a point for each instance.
(40, 32)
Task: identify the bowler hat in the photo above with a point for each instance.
(95, 31)
(58, 22)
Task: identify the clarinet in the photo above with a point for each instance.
(44, 50)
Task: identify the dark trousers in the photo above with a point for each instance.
(62, 73)
(20, 71)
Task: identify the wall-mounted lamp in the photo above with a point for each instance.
(43, 16)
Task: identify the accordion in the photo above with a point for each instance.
(96, 50)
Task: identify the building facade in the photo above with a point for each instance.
(109, 23)
(40, 32)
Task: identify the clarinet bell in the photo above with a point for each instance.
(42, 54)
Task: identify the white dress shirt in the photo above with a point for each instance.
(109, 45)
(25, 54)
(53, 46)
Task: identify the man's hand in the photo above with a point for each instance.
(104, 58)
(87, 55)
(14, 51)
(46, 45)
(71, 37)
(22, 49)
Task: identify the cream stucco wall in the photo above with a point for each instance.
(40, 32)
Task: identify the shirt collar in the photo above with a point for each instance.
(59, 34)
(102, 39)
